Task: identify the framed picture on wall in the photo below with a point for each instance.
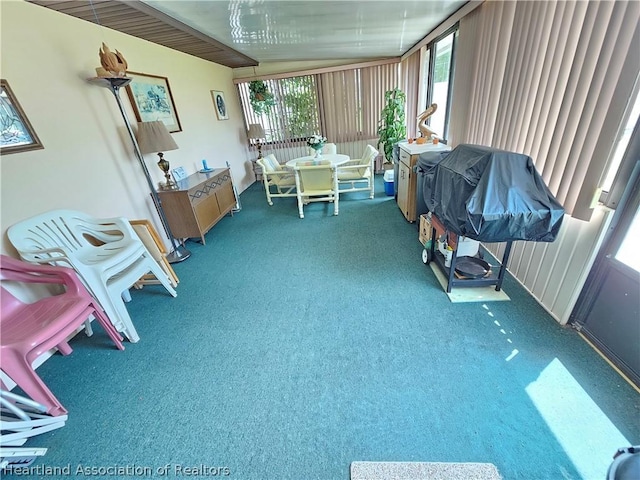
(151, 99)
(16, 132)
(220, 104)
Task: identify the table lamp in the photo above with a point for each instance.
(153, 137)
(256, 132)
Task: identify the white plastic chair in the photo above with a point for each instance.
(327, 149)
(273, 175)
(357, 174)
(316, 181)
(106, 253)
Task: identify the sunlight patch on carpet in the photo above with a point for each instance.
(587, 435)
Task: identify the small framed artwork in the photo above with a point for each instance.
(151, 99)
(179, 173)
(16, 132)
(220, 104)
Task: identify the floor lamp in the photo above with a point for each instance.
(179, 252)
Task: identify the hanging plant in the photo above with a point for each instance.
(260, 97)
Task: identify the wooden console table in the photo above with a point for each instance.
(198, 203)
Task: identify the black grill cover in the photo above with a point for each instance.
(491, 195)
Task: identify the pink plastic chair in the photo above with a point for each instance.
(29, 329)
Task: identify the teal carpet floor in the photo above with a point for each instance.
(296, 347)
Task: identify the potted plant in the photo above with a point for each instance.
(391, 126)
(260, 97)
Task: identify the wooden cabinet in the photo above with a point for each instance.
(198, 203)
(406, 192)
(409, 153)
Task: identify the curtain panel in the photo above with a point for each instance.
(552, 80)
(351, 101)
(410, 78)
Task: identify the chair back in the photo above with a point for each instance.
(269, 163)
(327, 149)
(330, 149)
(56, 234)
(369, 154)
(12, 270)
(316, 175)
(367, 161)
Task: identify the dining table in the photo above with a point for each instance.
(336, 159)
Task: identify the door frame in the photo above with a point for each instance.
(605, 259)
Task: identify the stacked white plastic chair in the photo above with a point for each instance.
(106, 253)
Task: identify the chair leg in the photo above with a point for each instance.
(128, 329)
(107, 326)
(87, 328)
(161, 275)
(116, 311)
(64, 348)
(21, 372)
(267, 191)
(300, 207)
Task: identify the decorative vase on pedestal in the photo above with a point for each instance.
(318, 150)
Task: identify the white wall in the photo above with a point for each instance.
(88, 162)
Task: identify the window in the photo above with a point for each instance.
(621, 146)
(293, 114)
(628, 252)
(343, 105)
(439, 79)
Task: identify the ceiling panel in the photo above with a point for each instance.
(242, 33)
(276, 30)
(139, 20)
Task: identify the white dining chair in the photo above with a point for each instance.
(316, 181)
(327, 149)
(357, 175)
(277, 181)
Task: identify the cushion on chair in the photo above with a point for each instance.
(355, 174)
(271, 163)
(273, 172)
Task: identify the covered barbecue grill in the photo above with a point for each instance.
(492, 195)
(488, 195)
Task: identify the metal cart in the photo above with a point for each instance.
(430, 254)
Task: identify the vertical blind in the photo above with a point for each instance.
(347, 106)
(552, 80)
(410, 77)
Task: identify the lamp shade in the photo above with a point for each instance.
(255, 132)
(154, 137)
